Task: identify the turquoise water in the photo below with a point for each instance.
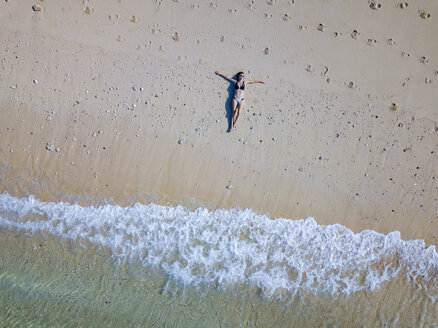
(158, 266)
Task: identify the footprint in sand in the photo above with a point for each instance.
(324, 71)
(393, 107)
(424, 60)
(176, 36)
(403, 5)
(321, 27)
(374, 5)
(250, 5)
(286, 17)
(352, 85)
(424, 14)
(355, 34)
(267, 51)
(428, 81)
(35, 8)
(391, 42)
(309, 68)
(120, 38)
(222, 38)
(133, 19)
(337, 34)
(371, 42)
(301, 27)
(88, 10)
(271, 2)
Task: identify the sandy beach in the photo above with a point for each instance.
(117, 101)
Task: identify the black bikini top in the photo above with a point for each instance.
(242, 87)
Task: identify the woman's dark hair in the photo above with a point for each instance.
(240, 73)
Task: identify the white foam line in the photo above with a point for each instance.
(234, 246)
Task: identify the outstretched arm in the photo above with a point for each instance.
(225, 77)
(255, 81)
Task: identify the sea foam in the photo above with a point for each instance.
(234, 246)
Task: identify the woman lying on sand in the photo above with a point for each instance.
(239, 95)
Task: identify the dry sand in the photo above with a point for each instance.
(118, 100)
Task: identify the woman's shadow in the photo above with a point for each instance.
(228, 103)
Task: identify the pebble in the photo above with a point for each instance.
(35, 81)
(229, 187)
(57, 149)
(180, 141)
(14, 86)
(49, 147)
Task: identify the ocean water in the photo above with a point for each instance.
(67, 265)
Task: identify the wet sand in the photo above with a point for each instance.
(119, 102)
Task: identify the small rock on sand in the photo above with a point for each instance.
(36, 8)
(14, 86)
(49, 147)
(229, 187)
(181, 141)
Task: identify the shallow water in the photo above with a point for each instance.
(157, 266)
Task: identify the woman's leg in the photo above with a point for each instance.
(239, 107)
(233, 111)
